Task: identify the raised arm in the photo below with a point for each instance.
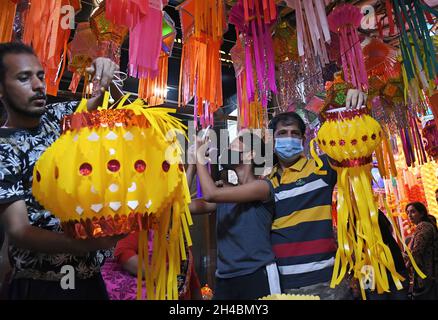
(102, 70)
(258, 190)
(22, 234)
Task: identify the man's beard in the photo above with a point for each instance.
(34, 114)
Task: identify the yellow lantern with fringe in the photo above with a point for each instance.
(349, 138)
(115, 171)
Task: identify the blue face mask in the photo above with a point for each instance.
(288, 148)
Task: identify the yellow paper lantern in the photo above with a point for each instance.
(115, 171)
(349, 138)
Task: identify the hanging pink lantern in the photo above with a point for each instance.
(254, 22)
(144, 19)
(344, 20)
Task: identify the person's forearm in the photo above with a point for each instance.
(207, 183)
(190, 174)
(45, 241)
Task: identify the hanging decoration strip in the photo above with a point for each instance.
(110, 38)
(349, 138)
(43, 30)
(144, 20)
(344, 20)
(420, 66)
(203, 25)
(312, 28)
(254, 18)
(110, 185)
(7, 16)
(154, 88)
(412, 142)
(251, 115)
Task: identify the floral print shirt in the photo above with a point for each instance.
(19, 150)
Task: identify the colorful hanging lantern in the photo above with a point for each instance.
(110, 36)
(254, 19)
(82, 50)
(250, 114)
(312, 28)
(120, 177)
(203, 24)
(344, 20)
(144, 19)
(420, 66)
(43, 30)
(349, 138)
(381, 60)
(430, 133)
(7, 16)
(154, 88)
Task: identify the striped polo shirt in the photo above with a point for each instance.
(302, 232)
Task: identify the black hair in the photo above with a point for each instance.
(12, 48)
(288, 118)
(421, 209)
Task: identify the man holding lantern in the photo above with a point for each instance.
(38, 248)
(302, 231)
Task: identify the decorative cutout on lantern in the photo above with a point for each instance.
(359, 237)
(132, 189)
